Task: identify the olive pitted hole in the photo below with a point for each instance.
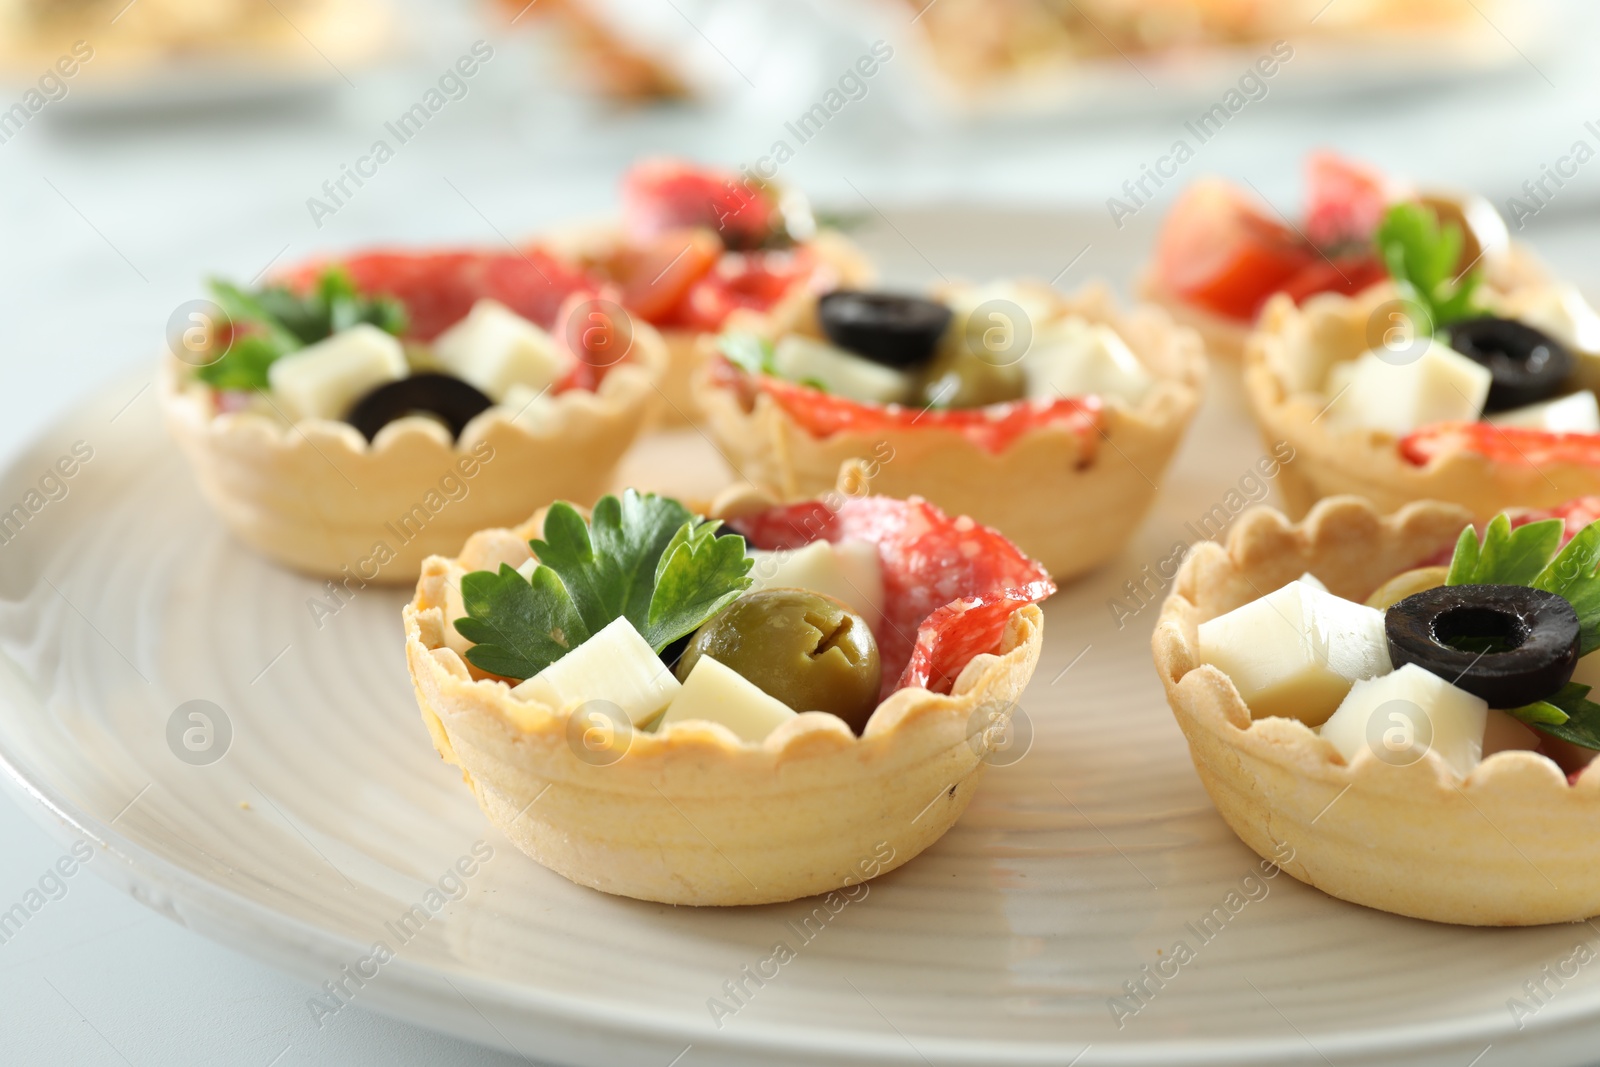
(1528, 365)
(888, 328)
(1509, 644)
(450, 400)
(808, 650)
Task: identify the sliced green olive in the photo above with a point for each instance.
(808, 650)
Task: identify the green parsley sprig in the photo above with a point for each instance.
(1421, 256)
(750, 352)
(1528, 556)
(644, 558)
(273, 321)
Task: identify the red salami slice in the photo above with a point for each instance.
(949, 584)
(993, 428)
(1576, 514)
(439, 288)
(1503, 444)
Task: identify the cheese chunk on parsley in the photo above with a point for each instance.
(617, 666)
(494, 349)
(715, 693)
(324, 380)
(807, 359)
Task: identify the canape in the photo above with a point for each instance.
(648, 706)
(1408, 721)
(1051, 417)
(1431, 387)
(698, 249)
(1222, 253)
(352, 418)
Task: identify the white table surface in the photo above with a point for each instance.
(109, 222)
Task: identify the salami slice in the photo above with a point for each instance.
(949, 584)
(1503, 444)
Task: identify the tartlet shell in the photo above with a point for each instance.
(1333, 458)
(685, 354)
(1068, 504)
(317, 497)
(1507, 846)
(694, 816)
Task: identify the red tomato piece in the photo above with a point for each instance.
(439, 288)
(1347, 274)
(659, 195)
(1218, 251)
(950, 585)
(1503, 444)
(1345, 200)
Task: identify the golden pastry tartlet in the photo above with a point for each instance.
(697, 250)
(1496, 842)
(693, 812)
(1065, 473)
(277, 454)
(1292, 374)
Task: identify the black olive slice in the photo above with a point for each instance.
(888, 328)
(1509, 644)
(451, 400)
(1528, 364)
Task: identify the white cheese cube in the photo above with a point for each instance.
(807, 359)
(614, 665)
(528, 407)
(1560, 311)
(1077, 358)
(494, 348)
(850, 572)
(1401, 715)
(1576, 413)
(1439, 385)
(1312, 580)
(1296, 651)
(714, 693)
(324, 380)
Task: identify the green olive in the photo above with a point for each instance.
(959, 376)
(803, 648)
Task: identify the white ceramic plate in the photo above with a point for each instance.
(329, 816)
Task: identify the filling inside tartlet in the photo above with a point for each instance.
(989, 362)
(1224, 252)
(699, 244)
(379, 336)
(1489, 650)
(649, 614)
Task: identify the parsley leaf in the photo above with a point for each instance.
(519, 626)
(1572, 575)
(699, 575)
(1421, 256)
(274, 321)
(1505, 556)
(1569, 715)
(644, 558)
(610, 564)
(750, 352)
